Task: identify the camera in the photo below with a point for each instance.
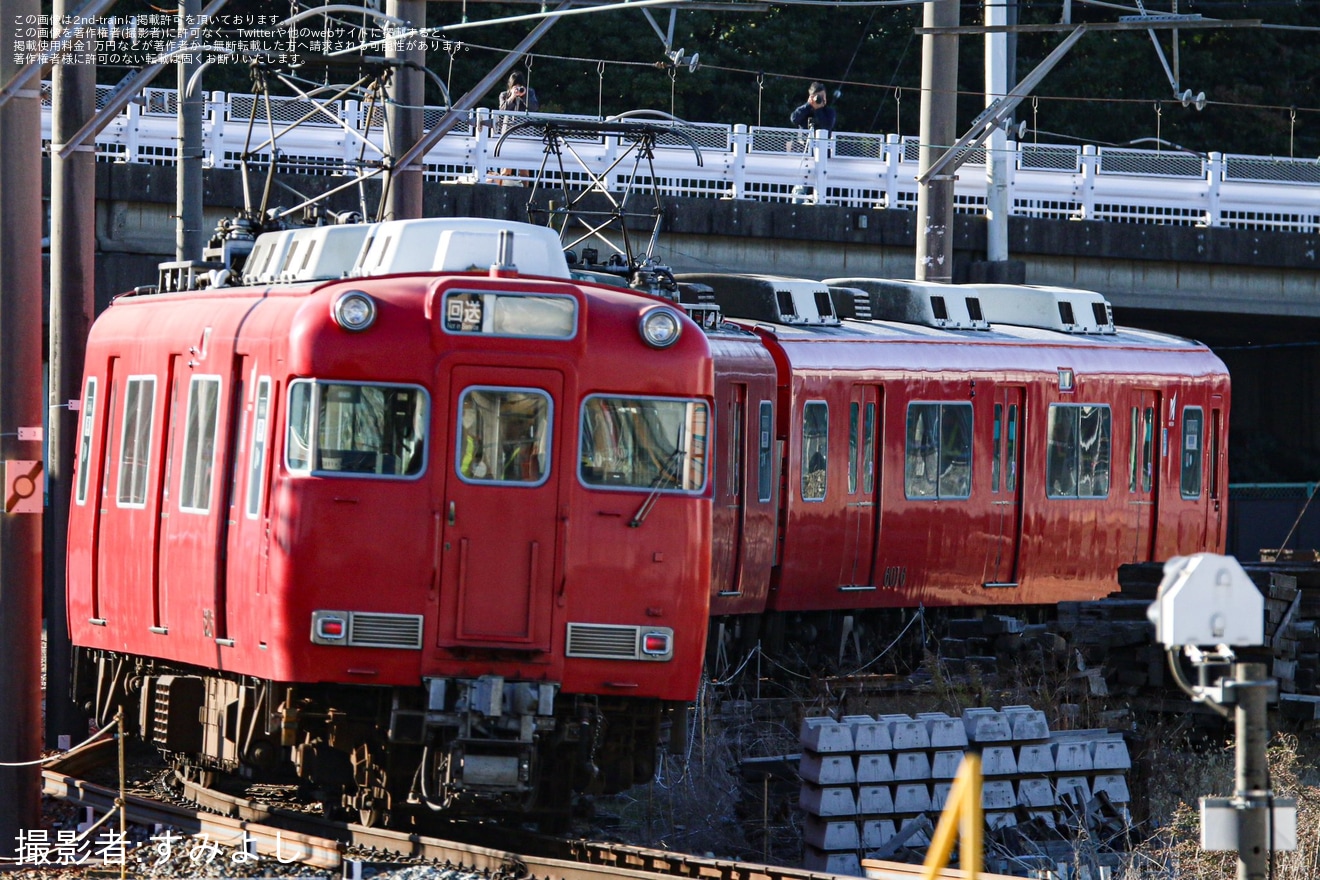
(817, 99)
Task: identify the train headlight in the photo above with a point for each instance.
(661, 327)
(355, 311)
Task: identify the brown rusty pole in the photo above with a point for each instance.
(939, 105)
(21, 221)
(72, 304)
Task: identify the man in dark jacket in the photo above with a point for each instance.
(815, 113)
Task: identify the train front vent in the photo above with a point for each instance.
(608, 641)
(367, 630)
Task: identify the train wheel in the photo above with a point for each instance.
(370, 795)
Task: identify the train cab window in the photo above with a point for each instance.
(938, 458)
(1079, 443)
(764, 469)
(540, 316)
(356, 429)
(135, 441)
(505, 436)
(85, 439)
(815, 449)
(257, 450)
(199, 444)
(1193, 422)
(651, 443)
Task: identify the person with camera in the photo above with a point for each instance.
(816, 113)
(518, 98)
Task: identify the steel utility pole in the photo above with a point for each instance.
(404, 113)
(72, 304)
(189, 235)
(20, 437)
(939, 106)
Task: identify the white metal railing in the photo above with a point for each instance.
(1121, 185)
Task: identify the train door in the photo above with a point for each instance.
(1006, 487)
(248, 540)
(197, 499)
(861, 523)
(500, 508)
(1216, 513)
(730, 509)
(1144, 474)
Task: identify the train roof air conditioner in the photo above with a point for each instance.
(769, 298)
(927, 303)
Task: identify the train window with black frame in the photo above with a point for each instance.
(868, 450)
(135, 441)
(199, 444)
(938, 458)
(504, 313)
(996, 438)
(655, 443)
(853, 447)
(1192, 450)
(505, 436)
(737, 413)
(357, 429)
(1079, 444)
(764, 444)
(815, 449)
(1011, 450)
(257, 450)
(88, 421)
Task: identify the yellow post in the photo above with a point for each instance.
(962, 813)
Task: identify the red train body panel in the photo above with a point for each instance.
(272, 495)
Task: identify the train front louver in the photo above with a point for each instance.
(367, 630)
(611, 641)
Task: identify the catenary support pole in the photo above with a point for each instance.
(189, 232)
(939, 105)
(404, 113)
(72, 304)
(20, 408)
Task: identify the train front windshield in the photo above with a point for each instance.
(644, 443)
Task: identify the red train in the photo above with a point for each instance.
(423, 532)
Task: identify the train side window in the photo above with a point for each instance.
(764, 471)
(199, 444)
(996, 438)
(1134, 451)
(257, 451)
(135, 441)
(1079, 443)
(938, 457)
(357, 429)
(815, 449)
(868, 450)
(85, 439)
(653, 443)
(505, 436)
(737, 413)
(853, 412)
(1010, 480)
(1148, 449)
(1192, 450)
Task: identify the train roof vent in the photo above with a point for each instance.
(1064, 309)
(769, 298)
(851, 302)
(459, 244)
(949, 306)
(268, 255)
(318, 253)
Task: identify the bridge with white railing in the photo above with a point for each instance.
(343, 139)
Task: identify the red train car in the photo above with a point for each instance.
(413, 530)
(954, 446)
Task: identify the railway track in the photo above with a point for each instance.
(322, 843)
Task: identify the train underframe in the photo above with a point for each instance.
(381, 754)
